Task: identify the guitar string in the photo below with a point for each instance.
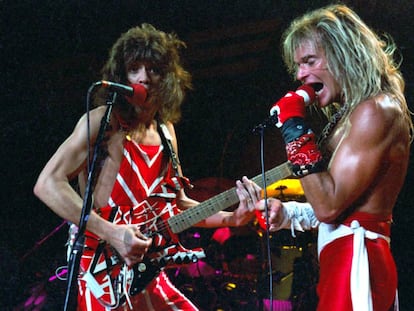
(197, 212)
(163, 224)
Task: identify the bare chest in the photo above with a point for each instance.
(335, 138)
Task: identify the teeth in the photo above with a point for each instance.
(319, 91)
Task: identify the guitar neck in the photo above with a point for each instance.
(205, 209)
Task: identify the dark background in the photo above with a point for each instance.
(52, 51)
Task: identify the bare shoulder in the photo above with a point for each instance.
(380, 108)
(380, 123)
(93, 121)
(96, 114)
(380, 113)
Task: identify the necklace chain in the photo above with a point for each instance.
(327, 130)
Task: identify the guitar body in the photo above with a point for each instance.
(109, 278)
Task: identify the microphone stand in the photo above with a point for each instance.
(259, 130)
(78, 245)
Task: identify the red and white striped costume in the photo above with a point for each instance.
(143, 194)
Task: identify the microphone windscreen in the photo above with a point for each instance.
(307, 92)
(139, 96)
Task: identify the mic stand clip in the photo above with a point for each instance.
(270, 121)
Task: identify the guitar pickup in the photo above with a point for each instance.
(180, 257)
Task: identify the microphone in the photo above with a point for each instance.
(306, 91)
(117, 87)
(135, 94)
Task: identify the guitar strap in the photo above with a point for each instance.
(166, 141)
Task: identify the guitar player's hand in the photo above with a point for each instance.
(249, 194)
(275, 212)
(130, 243)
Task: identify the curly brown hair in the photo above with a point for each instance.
(147, 44)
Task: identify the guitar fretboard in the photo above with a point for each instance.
(205, 209)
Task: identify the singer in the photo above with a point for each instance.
(352, 174)
(140, 183)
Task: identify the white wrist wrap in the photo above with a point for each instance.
(298, 216)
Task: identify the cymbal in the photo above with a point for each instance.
(285, 189)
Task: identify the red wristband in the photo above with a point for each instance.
(303, 154)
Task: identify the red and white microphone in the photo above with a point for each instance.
(293, 104)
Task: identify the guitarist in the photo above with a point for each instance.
(139, 183)
(352, 178)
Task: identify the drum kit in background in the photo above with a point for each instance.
(237, 271)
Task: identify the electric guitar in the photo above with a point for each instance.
(135, 279)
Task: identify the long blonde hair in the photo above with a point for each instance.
(361, 62)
